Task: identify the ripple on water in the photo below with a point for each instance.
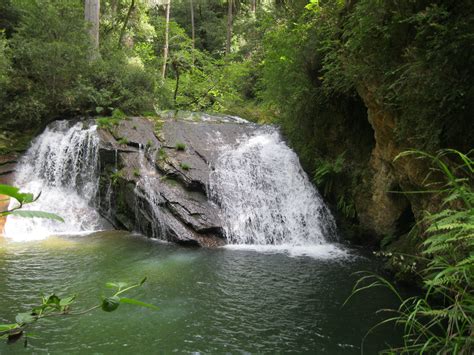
(211, 300)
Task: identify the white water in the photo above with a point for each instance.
(268, 202)
(145, 192)
(62, 165)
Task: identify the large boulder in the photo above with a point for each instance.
(154, 174)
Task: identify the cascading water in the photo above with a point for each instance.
(62, 165)
(267, 200)
(146, 195)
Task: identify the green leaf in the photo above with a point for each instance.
(7, 327)
(15, 193)
(110, 304)
(118, 285)
(52, 299)
(67, 301)
(37, 214)
(138, 303)
(24, 318)
(143, 281)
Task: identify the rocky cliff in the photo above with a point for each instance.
(154, 174)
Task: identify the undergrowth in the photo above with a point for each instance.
(441, 319)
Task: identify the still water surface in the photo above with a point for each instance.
(211, 300)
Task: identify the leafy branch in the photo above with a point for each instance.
(23, 199)
(53, 306)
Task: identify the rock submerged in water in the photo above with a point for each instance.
(154, 175)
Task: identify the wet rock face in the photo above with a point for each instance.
(155, 174)
(383, 211)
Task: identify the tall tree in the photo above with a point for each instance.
(229, 26)
(125, 22)
(193, 36)
(253, 5)
(92, 15)
(166, 46)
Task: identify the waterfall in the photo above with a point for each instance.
(62, 165)
(147, 196)
(266, 198)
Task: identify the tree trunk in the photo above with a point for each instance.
(253, 6)
(91, 15)
(166, 46)
(192, 28)
(229, 27)
(125, 22)
(176, 88)
(113, 10)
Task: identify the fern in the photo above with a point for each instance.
(442, 320)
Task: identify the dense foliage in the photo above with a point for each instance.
(441, 320)
(48, 70)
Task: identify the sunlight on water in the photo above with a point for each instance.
(62, 165)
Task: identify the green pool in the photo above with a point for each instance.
(211, 300)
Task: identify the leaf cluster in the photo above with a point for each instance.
(23, 199)
(53, 306)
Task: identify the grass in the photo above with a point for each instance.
(180, 146)
(112, 121)
(184, 166)
(107, 122)
(161, 155)
(116, 176)
(122, 141)
(170, 180)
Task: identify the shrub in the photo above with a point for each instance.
(55, 76)
(49, 51)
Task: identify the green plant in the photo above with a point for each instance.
(116, 176)
(169, 180)
(158, 125)
(136, 172)
(326, 171)
(107, 122)
(122, 141)
(162, 155)
(180, 146)
(53, 306)
(184, 166)
(442, 319)
(23, 199)
(346, 207)
(118, 115)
